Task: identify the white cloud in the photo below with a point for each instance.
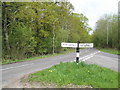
(94, 9)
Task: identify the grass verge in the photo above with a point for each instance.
(77, 74)
(36, 57)
(109, 50)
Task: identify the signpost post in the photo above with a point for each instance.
(77, 53)
(77, 46)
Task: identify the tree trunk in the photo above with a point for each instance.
(53, 41)
(5, 30)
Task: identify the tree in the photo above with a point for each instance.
(106, 32)
(38, 28)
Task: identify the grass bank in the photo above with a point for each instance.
(36, 57)
(109, 50)
(77, 74)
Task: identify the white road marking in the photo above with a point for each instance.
(90, 56)
(84, 59)
(87, 56)
(17, 66)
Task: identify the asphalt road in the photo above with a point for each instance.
(14, 71)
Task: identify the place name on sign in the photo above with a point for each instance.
(74, 45)
(86, 45)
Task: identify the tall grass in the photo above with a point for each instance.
(78, 74)
(9, 61)
(109, 50)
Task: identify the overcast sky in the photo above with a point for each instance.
(94, 9)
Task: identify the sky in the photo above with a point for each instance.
(94, 9)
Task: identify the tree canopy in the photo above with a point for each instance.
(106, 32)
(37, 28)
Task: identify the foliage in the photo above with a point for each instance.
(9, 61)
(107, 27)
(38, 28)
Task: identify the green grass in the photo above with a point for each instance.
(109, 50)
(36, 57)
(27, 59)
(77, 74)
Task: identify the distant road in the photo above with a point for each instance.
(14, 71)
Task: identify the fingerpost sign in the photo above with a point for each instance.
(77, 45)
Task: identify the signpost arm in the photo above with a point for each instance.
(77, 46)
(77, 53)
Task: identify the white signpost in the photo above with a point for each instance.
(77, 46)
(74, 45)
